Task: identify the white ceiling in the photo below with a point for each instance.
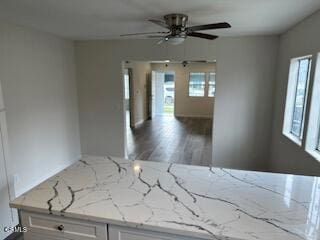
(107, 19)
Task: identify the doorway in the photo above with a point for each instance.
(163, 94)
(172, 106)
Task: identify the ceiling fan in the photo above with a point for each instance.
(177, 30)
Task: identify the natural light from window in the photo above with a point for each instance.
(197, 83)
(297, 92)
(300, 97)
(212, 84)
(126, 84)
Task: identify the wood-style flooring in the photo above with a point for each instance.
(171, 139)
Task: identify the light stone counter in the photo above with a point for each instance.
(202, 202)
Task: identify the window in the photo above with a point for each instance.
(300, 97)
(312, 145)
(296, 98)
(211, 84)
(197, 82)
(126, 85)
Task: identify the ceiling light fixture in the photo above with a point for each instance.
(175, 40)
(184, 63)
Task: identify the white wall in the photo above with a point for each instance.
(243, 106)
(301, 40)
(245, 75)
(141, 72)
(186, 106)
(37, 73)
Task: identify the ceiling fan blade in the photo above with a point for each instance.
(146, 33)
(159, 23)
(198, 61)
(202, 35)
(209, 26)
(156, 36)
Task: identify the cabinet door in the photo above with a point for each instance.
(34, 236)
(48, 225)
(123, 233)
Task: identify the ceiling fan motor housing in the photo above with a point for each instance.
(176, 20)
(177, 23)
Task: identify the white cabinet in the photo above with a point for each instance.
(5, 216)
(8, 216)
(49, 227)
(34, 236)
(57, 227)
(124, 233)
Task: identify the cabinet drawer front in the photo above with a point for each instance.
(35, 236)
(69, 228)
(123, 233)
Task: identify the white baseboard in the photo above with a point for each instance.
(193, 116)
(137, 124)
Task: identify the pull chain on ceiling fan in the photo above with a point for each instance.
(177, 30)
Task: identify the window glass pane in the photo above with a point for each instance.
(299, 102)
(212, 84)
(197, 83)
(126, 86)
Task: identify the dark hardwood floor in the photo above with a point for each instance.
(170, 139)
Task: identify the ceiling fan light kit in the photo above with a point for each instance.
(176, 40)
(176, 24)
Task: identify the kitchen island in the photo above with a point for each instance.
(116, 199)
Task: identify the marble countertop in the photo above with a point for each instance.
(202, 202)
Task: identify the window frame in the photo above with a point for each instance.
(317, 142)
(214, 84)
(304, 105)
(204, 89)
(312, 145)
(292, 91)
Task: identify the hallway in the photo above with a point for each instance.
(170, 139)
